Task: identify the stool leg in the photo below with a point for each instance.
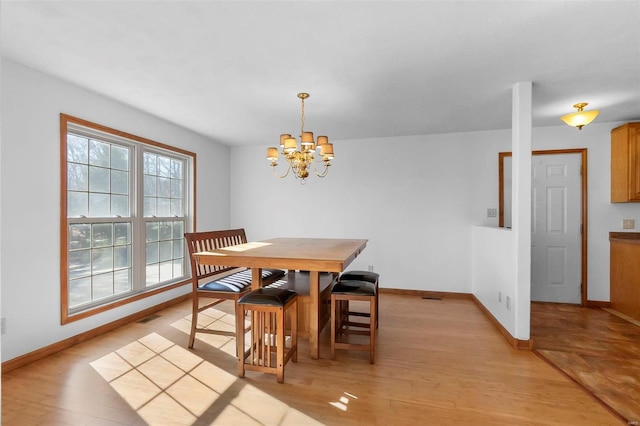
(294, 331)
(280, 344)
(333, 326)
(372, 327)
(240, 334)
(377, 310)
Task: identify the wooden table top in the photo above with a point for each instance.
(315, 254)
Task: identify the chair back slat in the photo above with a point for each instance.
(208, 241)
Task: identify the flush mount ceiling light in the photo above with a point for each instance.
(580, 118)
(302, 159)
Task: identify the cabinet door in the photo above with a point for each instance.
(634, 164)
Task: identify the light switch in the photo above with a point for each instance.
(492, 212)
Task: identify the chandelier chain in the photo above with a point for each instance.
(302, 119)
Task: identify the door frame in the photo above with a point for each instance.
(583, 205)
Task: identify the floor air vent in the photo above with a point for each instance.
(147, 319)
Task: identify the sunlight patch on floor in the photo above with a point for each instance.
(168, 384)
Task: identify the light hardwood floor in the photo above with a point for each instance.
(438, 362)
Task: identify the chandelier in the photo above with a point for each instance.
(301, 160)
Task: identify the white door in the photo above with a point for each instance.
(556, 252)
(556, 240)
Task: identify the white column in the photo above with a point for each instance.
(521, 205)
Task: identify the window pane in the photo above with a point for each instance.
(164, 207)
(122, 257)
(176, 207)
(102, 285)
(79, 263)
(149, 167)
(165, 230)
(164, 166)
(178, 249)
(99, 179)
(176, 169)
(152, 231)
(102, 260)
(153, 274)
(77, 204)
(119, 182)
(77, 177)
(178, 268)
(79, 291)
(77, 149)
(178, 229)
(119, 158)
(122, 233)
(150, 185)
(166, 271)
(166, 250)
(79, 236)
(102, 234)
(152, 253)
(120, 205)
(150, 207)
(99, 205)
(122, 281)
(176, 188)
(99, 153)
(164, 187)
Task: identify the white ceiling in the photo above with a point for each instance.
(231, 70)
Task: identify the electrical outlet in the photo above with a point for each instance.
(628, 223)
(3, 325)
(492, 212)
(370, 268)
(508, 303)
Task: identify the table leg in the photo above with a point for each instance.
(314, 314)
(256, 278)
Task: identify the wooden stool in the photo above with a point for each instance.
(368, 276)
(344, 292)
(267, 351)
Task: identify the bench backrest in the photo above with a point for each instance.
(211, 240)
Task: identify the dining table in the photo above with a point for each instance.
(316, 255)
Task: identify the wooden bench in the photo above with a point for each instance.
(299, 282)
(215, 282)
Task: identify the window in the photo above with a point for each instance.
(126, 204)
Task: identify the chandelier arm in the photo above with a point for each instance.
(324, 172)
(276, 173)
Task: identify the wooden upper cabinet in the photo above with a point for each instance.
(625, 163)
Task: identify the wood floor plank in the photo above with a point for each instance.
(438, 362)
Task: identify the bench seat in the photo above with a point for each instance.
(239, 281)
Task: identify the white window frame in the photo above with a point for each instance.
(139, 288)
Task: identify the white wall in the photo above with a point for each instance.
(493, 269)
(29, 174)
(414, 198)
